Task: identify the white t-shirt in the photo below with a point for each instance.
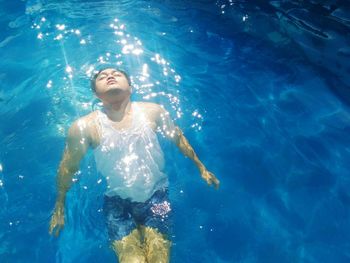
(130, 159)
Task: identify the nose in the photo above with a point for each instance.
(110, 77)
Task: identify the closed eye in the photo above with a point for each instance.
(102, 76)
(117, 74)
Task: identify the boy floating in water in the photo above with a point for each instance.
(128, 154)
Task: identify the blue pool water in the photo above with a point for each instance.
(260, 89)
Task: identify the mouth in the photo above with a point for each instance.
(110, 82)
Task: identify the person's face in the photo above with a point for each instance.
(111, 82)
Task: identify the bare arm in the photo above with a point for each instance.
(174, 133)
(77, 144)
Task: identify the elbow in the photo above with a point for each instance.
(66, 170)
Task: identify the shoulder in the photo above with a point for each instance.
(148, 105)
(155, 112)
(151, 107)
(83, 126)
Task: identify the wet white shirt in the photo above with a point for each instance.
(130, 159)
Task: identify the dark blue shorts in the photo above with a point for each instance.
(124, 215)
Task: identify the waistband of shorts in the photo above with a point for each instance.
(117, 197)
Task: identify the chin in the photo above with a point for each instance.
(115, 93)
(114, 89)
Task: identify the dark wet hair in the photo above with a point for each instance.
(93, 79)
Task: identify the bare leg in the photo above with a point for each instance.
(157, 247)
(129, 249)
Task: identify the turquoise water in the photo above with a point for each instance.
(265, 107)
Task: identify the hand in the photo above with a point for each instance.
(210, 178)
(57, 220)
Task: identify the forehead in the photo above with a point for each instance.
(108, 70)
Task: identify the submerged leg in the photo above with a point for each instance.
(156, 245)
(129, 249)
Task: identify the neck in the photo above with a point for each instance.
(117, 110)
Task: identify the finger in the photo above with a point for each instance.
(216, 183)
(57, 231)
(52, 226)
(52, 230)
(209, 182)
